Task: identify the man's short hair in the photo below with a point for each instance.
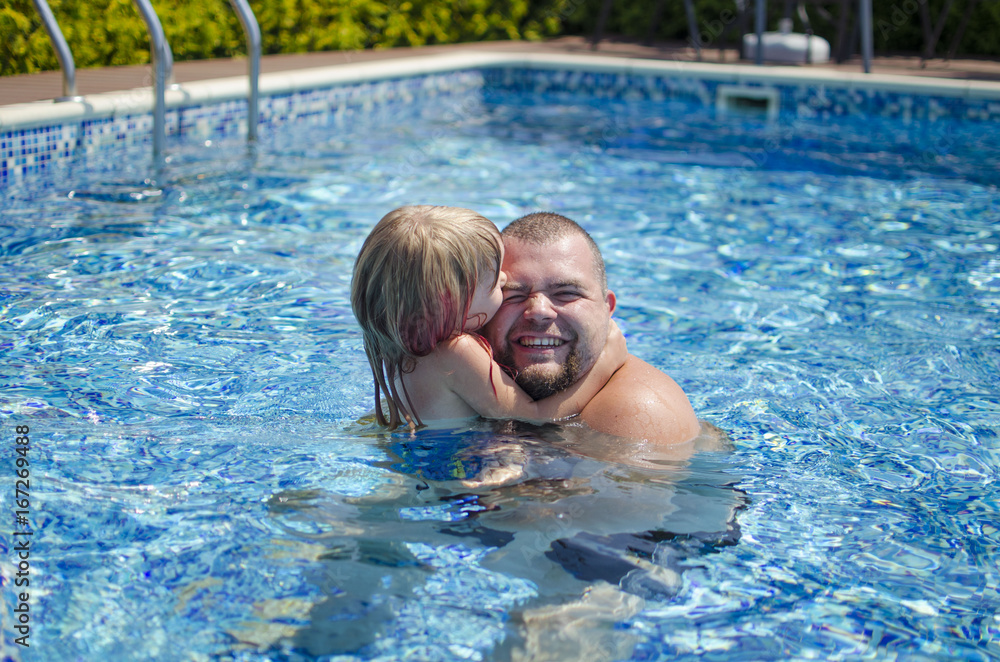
(543, 227)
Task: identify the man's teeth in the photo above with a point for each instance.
(541, 342)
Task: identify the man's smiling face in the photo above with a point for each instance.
(553, 322)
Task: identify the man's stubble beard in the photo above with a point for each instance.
(539, 383)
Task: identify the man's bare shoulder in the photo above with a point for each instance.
(641, 402)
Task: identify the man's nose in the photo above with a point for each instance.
(539, 308)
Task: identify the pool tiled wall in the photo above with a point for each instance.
(28, 151)
(807, 101)
(24, 152)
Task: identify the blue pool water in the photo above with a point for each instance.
(181, 344)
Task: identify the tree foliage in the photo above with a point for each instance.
(897, 24)
(111, 32)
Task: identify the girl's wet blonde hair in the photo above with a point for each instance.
(413, 283)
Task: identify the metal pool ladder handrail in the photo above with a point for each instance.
(163, 64)
(162, 59)
(867, 46)
(253, 55)
(163, 68)
(62, 51)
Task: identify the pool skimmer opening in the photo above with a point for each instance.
(744, 100)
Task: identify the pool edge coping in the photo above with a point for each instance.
(139, 101)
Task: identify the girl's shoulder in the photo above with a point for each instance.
(456, 354)
(441, 382)
(463, 347)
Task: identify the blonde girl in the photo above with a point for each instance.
(426, 279)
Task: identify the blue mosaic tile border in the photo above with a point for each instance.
(29, 151)
(810, 101)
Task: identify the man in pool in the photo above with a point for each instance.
(550, 329)
(553, 324)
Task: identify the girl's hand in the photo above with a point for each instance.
(612, 357)
(615, 347)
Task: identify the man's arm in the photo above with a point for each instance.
(467, 369)
(641, 402)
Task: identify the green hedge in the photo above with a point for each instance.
(111, 32)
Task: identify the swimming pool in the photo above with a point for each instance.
(183, 352)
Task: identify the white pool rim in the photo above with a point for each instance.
(140, 100)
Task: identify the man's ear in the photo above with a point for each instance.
(611, 300)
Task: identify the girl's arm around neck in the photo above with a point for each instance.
(470, 372)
